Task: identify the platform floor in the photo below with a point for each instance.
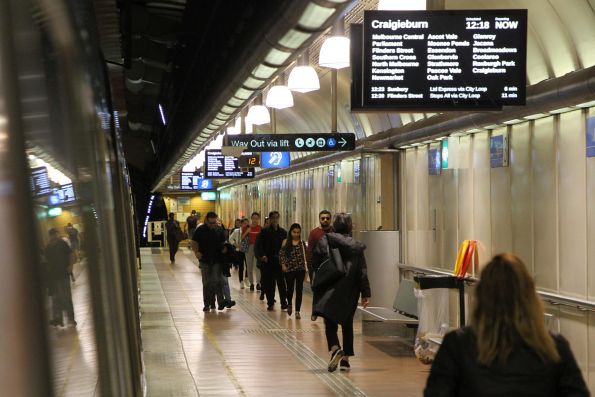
(248, 351)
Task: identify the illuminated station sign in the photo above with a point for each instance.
(459, 59)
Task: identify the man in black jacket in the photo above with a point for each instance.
(267, 247)
(208, 246)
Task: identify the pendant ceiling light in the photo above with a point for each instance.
(235, 129)
(400, 5)
(258, 113)
(303, 77)
(279, 96)
(334, 52)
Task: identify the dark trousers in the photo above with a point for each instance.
(212, 283)
(173, 248)
(62, 300)
(332, 339)
(240, 259)
(271, 273)
(295, 279)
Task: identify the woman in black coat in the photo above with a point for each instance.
(507, 350)
(337, 303)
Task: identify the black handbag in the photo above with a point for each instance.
(330, 270)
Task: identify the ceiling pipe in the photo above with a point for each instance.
(569, 90)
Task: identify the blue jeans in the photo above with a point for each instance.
(212, 284)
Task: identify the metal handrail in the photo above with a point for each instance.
(551, 298)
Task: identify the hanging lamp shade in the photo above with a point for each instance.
(235, 129)
(398, 5)
(248, 126)
(279, 97)
(334, 52)
(258, 113)
(303, 79)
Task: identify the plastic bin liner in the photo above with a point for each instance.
(432, 308)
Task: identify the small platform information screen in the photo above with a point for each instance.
(220, 166)
(444, 59)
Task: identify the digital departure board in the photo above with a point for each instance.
(40, 182)
(220, 166)
(458, 59)
(190, 181)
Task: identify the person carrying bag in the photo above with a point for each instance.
(339, 265)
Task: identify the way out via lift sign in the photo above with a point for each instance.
(293, 142)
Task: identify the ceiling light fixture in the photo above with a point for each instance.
(162, 114)
(279, 96)
(401, 5)
(334, 52)
(258, 113)
(236, 129)
(303, 77)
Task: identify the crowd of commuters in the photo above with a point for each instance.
(506, 350)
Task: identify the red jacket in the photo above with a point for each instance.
(315, 236)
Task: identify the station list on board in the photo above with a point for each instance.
(444, 59)
(220, 166)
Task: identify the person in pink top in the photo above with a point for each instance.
(251, 232)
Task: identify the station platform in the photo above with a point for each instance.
(249, 351)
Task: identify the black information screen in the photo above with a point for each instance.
(444, 59)
(220, 166)
(40, 181)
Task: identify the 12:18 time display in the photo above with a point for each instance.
(477, 25)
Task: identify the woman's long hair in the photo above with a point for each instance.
(288, 245)
(342, 223)
(508, 313)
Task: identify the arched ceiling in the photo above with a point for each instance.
(560, 40)
(163, 40)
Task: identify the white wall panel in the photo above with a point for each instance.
(520, 193)
(591, 351)
(572, 205)
(591, 224)
(481, 195)
(501, 216)
(574, 327)
(545, 204)
(465, 190)
(451, 219)
(435, 203)
(423, 219)
(411, 207)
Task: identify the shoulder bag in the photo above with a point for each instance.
(330, 270)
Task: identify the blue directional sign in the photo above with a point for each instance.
(293, 142)
(189, 181)
(274, 159)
